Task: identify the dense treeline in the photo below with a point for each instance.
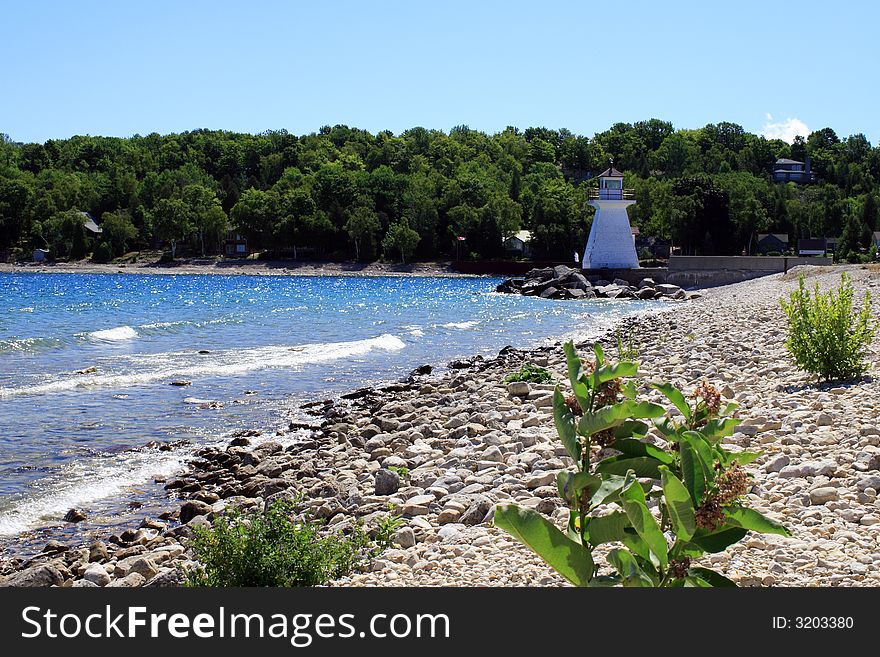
(344, 193)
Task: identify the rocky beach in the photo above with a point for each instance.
(441, 449)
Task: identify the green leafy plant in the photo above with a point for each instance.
(385, 528)
(530, 373)
(661, 507)
(401, 470)
(626, 347)
(827, 336)
(272, 549)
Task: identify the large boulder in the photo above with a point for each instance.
(561, 271)
(96, 574)
(75, 515)
(667, 290)
(40, 575)
(545, 274)
(387, 482)
(476, 512)
(575, 280)
(192, 508)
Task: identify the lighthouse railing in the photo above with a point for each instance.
(613, 194)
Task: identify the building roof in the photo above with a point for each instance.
(785, 160)
(876, 236)
(782, 237)
(89, 223)
(522, 235)
(611, 172)
(813, 244)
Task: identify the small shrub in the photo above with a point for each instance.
(271, 549)
(102, 253)
(402, 471)
(699, 487)
(826, 335)
(529, 373)
(385, 528)
(626, 347)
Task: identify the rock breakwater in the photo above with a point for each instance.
(561, 282)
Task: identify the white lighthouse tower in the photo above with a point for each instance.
(611, 244)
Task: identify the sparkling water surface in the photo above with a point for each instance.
(87, 363)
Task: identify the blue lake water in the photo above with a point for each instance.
(256, 345)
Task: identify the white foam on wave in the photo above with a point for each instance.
(231, 362)
(88, 481)
(83, 483)
(460, 325)
(115, 334)
(184, 323)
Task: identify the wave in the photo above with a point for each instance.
(115, 334)
(83, 483)
(90, 480)
(460, 325)
(176, 327)
(29, 345)
(231, 362)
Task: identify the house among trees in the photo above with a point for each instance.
(90, 225)
(518, 244)
(786, 170)
(772, 243)
(875, 241)
(816, 246)
(235, 245)
(656, 246)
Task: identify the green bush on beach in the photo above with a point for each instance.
(529, 373)
(827, 336)
(272, 549)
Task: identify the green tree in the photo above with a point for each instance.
(855, 240)
(170, 221)
(869, 212)
(254, 216)
(206, 215)
(119, 231)
(400, 238)
(362, 226)
(296, 211)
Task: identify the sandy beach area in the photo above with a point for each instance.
(466, 443)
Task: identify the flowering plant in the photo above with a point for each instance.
(662, 503)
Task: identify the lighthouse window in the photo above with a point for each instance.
(613, 184)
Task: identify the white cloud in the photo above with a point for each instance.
(785, 130)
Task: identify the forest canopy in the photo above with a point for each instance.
(343, 193)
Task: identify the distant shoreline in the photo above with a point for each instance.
(241, 267)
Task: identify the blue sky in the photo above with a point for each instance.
(121, 68)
